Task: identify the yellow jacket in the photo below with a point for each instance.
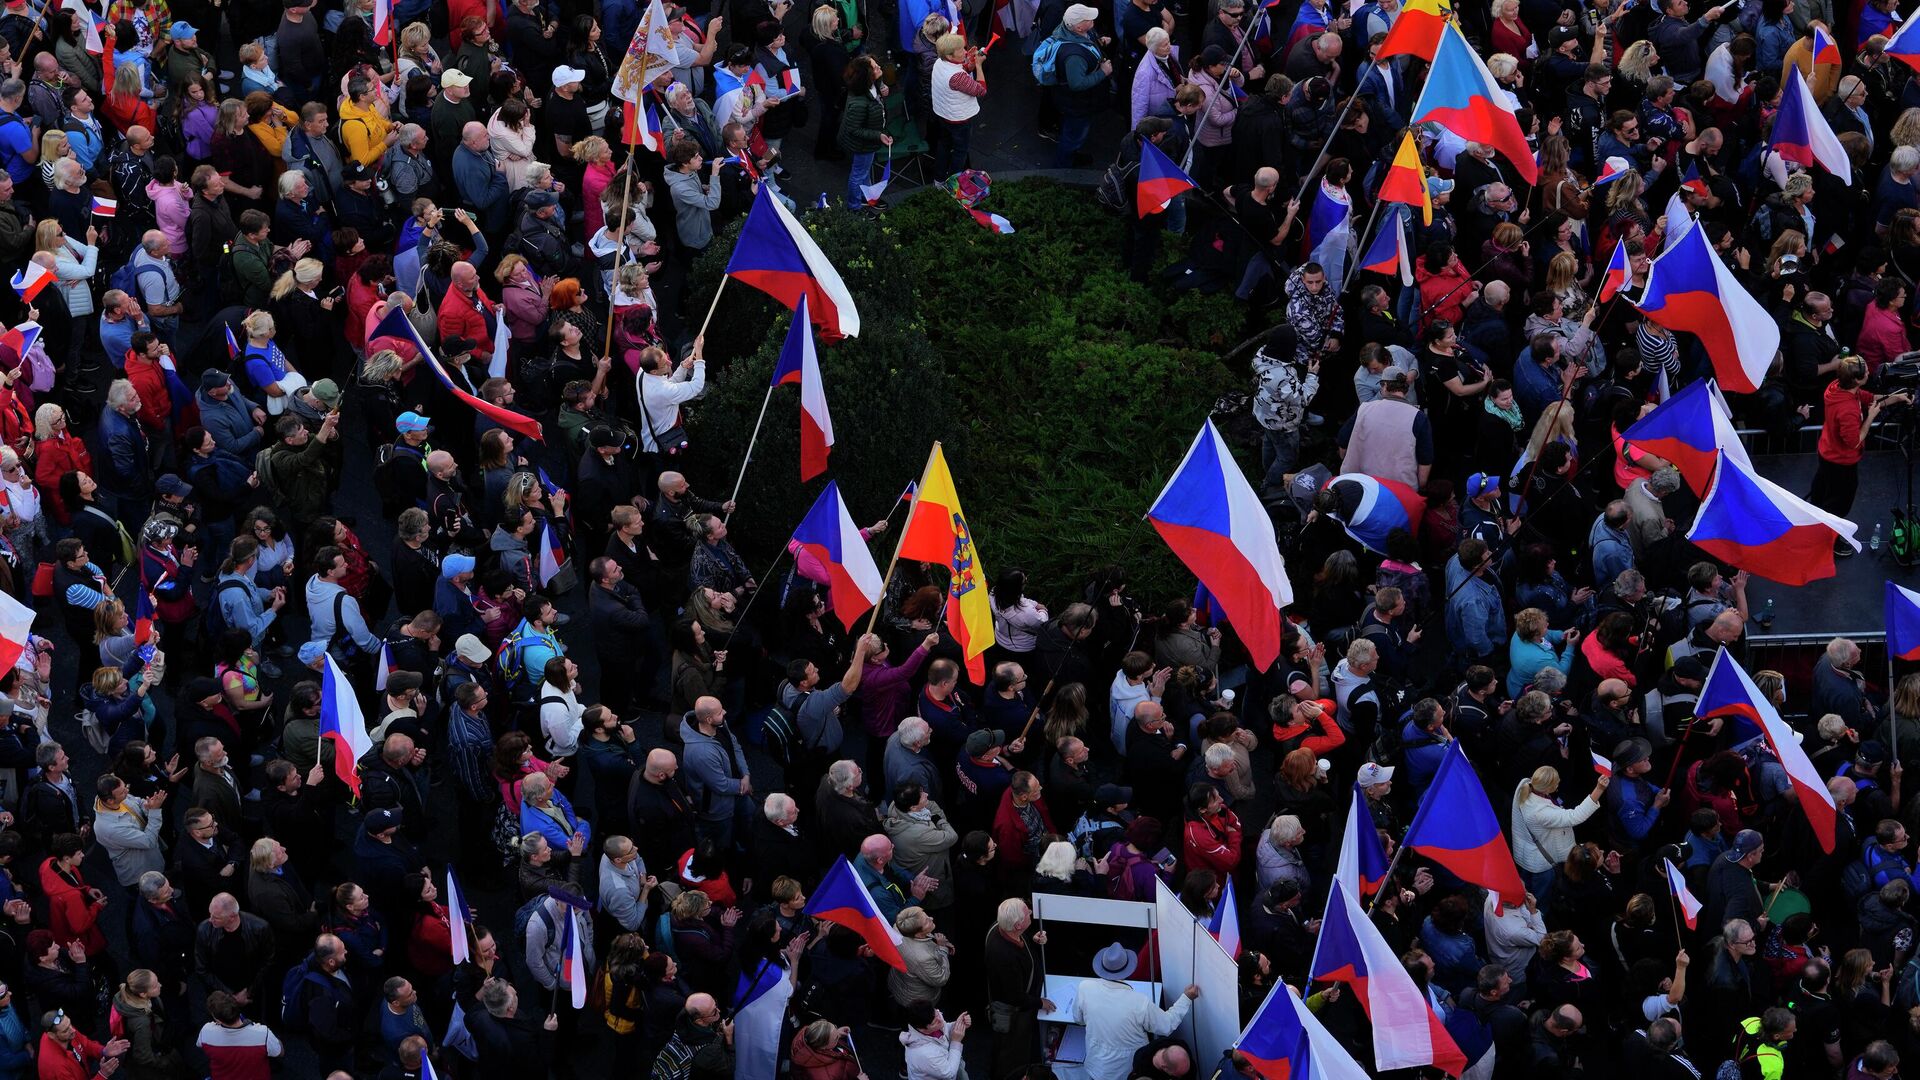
(364, 133)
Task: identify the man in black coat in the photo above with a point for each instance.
(607, 477)
(779, 849)
(207, 861)
(511, 1047)
(620, 634)
(660, 811)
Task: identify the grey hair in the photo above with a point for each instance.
(1550, 683)
(1841, 651)
(777, 805)
(1056, 862)
(911, 920)
(1664, 481)
(151, 883)
(843, 775)
(1905, 159)
(289, 180)
(223, 905)
(495, 995)
(45, 754)
(1010, 914)
(1217, 755)
(1286, 829)
(915, 732)
(535, 785)
(120, 393)
(1362, 651)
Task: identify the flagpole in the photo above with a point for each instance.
(741, 615)
(626, 207)
(1678, 937)
(724, 278)
(1386, 879)
(1206, 107)
(900, 541)
(751, 440)
(1327, 146)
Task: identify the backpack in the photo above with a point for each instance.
(270, 491)
(513, 667)
(1046, 61)
(232, 291)
(127, 278)
(780, 733)
(1906, 989)
(523, 916)
(1115, 190)
(213, 621)
(293, 996)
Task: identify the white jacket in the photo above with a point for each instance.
(560, 720)
(1543, 832)
(1119, 1021)
(930, 1058)
(1513, 935)
(661, 397)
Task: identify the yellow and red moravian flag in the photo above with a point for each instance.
(1416, 31)
(936, 532)
(1406, 181)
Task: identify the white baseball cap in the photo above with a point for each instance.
(563, 75)
(1371, 774)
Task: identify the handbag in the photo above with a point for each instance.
(1112, 192)
(671, 441)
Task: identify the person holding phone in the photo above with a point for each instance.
(1851, 410)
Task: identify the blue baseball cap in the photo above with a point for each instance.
(1480, 483)
(183, 31)
(411, 421)
(311, 652)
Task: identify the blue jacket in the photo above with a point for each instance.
(1422, 754)
(220, 476)
(1629, 803)
(16, 1057)
(1528, 657)
(124, 442)
(248, 609)
(455, 609)
(1612, 551)
(482, 187)
(713, 778)
(533, 820)
(1476, 618)
(891, 889)
(230, 422)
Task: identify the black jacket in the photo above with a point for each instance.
(662, 818)
(619, 621)
(162, 941)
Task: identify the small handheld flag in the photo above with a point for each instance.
(497, 363)
(872, 192)
(991, 222)
(30, 279)
(1601, 765)
(1224, 923)
(459, 918)
(1682, 896)
(1161, 181)
(342, 722)
(105, 207)
(1825, 49)
(1619, 272)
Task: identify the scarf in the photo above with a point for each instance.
(1511, 416)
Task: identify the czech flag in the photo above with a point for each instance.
(342, 721)
(573, 961)
(1211, 518)
(1330, 239)
(1461, 95)
(1801, 132)
(1903, 622)
(842, 900)
(799, 363)
(1224, 923)
(16, 626)
(1406, 181)
(1690, 290)
(90, 26)
(1363, 860)
(1754, 524)
(936, 531)
(383, 667)
(1612, 169)
(1455, 827)
(829, 534)
(382, 22)
(1161, 181)
(1388, 254)
(459, 918)
(759, 1006)
(1677, 884)
(1728, 691)
(1601, 765)
(1619, 272)
(30, 279)
(396, 324)
(640, 125)
(1284, 1041)
(1417, 30)
(775, 255)
(1406, 1033)
(1903, 43)
(1372, 507)
(1691, 429)
(872, 192)
(553, 554)
(1825, 49)
(991, 222)
(233, 344)
(105, 207)
(21, 339)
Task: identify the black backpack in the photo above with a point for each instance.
(294, 988)
(388, 460)
(213, 621)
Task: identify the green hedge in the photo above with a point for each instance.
(1064, 393)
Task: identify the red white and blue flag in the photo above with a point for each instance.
(1462, 97)
(775, 255)
(829, 535)
(396, 324)
(1691, 428)
(872, 192)
(383, 666)
(1224, 923)
(1161, 181)
(1601, 765)
(1683, 897)
(1215, 523)
(1388, 252)
(1754, 524)
(1456, 827)
(1406, 1033)
(641, 125)
(459, 919)
(991, 222)
(1904, 43)
(553, 553)
(1371, 507)
(16, 626)
(1825, 49)
(21, 339)
(1729, 692)
(233, 343)
(1801, 132)
(1619, 272)
(1363, 862)
(799, 364)
(30, 279)
(1903, 622)
(383, 23)
(842, 900)
(573, 960)
(1284, 1041)
(1690, 290)
(1612, 169)
(759, 1007)
(342, 722)
(105, 207)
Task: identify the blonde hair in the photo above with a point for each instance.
(503, 273)
(1789, 242)
(1624, 193)
(414, 36)
(949, 45)
(1563, 270)
(107, 680)
(1906, 129)
(1501, 65)
(1544, 781)
(53, 145)
(591, 149)
(1530, 624)
(1637, 62)
(826, 22)
(260, 323)
(43, 418)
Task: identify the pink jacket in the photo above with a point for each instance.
(1882, 336)
(170, 208)
(886, 692)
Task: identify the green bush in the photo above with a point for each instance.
(1064, 392)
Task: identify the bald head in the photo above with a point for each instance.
(474, 136)
(1148, 713)
(708, 712)
(876, 849)
(440, 463)
(465, 276)
(661, 764)
(1266, 178)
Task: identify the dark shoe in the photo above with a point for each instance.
(270, 669)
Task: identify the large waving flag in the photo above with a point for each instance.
(1330, 238)
(383, 23)
(648, 54)
(342, 722)
(1456, 828)
(1406, 1033)
(1728, 691)
(829, 534)
(1363, 860)
(936, 531)
(22, 338)
(1689, 289)
(759, 1006)
(1388, 253)
(1461, 95)
(396, 324)
(1758, 526)
(775, 255)
(1619, 272)
(1691, 429)
(1417, 30)
(1371, 507)
(1284, 1041)
(1801, 132)
(1903, 622)
(842, 900)
(1406, 181)
(573, 961)
(1904, 43)
(459, 919)
(1224, 923)
(1160, 180)
(16, 625)
(1682, 896)
(800, 363)
(1211, 518)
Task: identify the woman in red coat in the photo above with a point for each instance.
(1212, 838)
(73, 906)
(430, 946)
(57, 452)
(821, 1051)
(1883, 334)
(1445, 285)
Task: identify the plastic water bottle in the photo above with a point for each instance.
(1873, 541)
(1766, 613)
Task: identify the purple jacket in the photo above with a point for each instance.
(886, 694)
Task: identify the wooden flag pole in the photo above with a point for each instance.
(874, 615)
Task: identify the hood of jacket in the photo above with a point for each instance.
(1877, 918)
(319, 593)
(504, 542)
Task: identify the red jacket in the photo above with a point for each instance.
(1010, 832)
(1214, 845)
(150, 379)
(810, 1064)
(54, 458)
(72, 914)
(458, 317)
(58, 1062)
(1845, 412)
(430, 946)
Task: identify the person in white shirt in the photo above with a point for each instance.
(1120, 1019)
(1135, 682)
(662, 387)
(933, 1044)
(561, 714)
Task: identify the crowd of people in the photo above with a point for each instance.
(621, 756)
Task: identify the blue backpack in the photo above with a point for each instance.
(127, 278)
(1046, 61)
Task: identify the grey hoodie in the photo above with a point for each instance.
(514, 557)
(712, 774)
